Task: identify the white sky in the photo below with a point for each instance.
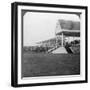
(41, 26)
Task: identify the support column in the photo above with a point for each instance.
(56, 41)
(62, 40)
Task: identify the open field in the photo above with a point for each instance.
(42, 64)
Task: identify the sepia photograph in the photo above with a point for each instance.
(50, 45)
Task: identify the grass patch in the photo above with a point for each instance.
(41, 64)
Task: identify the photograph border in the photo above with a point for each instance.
(14, 42)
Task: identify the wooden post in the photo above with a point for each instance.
(56, 41)
(62, 40)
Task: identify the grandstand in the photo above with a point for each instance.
(69, 32)
(66, 40)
